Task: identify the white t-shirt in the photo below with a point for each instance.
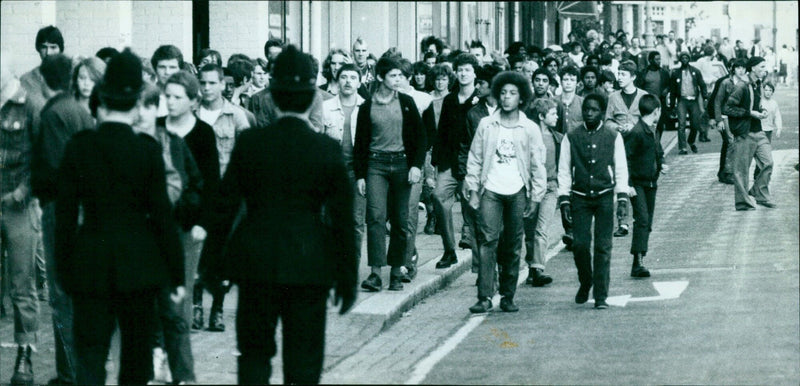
(209, 116)
(503, 177)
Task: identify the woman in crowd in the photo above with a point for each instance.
(86, 74)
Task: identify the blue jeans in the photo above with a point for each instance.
(20, 226)
(60, 302)
(443, 199)
(359, 215)
(500, 235)
(387, 195)
(413, 222)
(601, 210)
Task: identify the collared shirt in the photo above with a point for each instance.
(687, 84)
(529, 149)
(230, 122)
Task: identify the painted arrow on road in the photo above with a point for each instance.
(666, 290)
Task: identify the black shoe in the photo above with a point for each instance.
(449, 258)
(410, 275)
(683, 152)
(23, 369)
(567, 240)
(396, 283)
(372, 283)
(600, 304)
(507, 305)
(538, 278)
(59, 381)
(621, 231)
(430, 225)
(767, 204)
(197, 317)
(726, 180)
(693, 147)
(583, 295)
(215, 321)
(639, 271)
(464, 244)
(481, 307)
(745, 208)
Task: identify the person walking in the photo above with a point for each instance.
(296, 241)
(687, 92)
(127, 243)
(723, 89)
(506, 181)
(592, 170)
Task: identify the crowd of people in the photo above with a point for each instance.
(131, 185)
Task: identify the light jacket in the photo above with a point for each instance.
(530, 155)
(333, 118)
(230, 123)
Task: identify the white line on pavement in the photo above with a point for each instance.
(425, 366)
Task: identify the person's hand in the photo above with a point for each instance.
(430, 182)
(361, 184)
(721, 127)
(198, 233)
(622, 208)
(777, 134)
(474, 200)
(178, 295)
(566, 213)
(414, 175)
(530, 208)
(346, 297)
(757, 114)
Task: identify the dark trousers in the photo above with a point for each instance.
(174, 336)
(387, 195)
(95, 317)
(500, 238)
(693, 109)
(302, 313)
(601, 210)
(725, 156)
(643, 205)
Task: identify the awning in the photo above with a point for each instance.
(577, 8)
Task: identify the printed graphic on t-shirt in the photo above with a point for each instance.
(505, 151)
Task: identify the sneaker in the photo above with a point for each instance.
(161, 371)
(481, 307)
(621, 231)
(507, 304)
(215, 321)
(600, 304)
(372, 283)
(396, 283)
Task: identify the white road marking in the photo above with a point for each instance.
(666, 290)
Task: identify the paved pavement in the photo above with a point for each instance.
(382, 339)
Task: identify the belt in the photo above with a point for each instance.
(387, 154)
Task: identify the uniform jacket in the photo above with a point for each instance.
(414, 139)
(530, 155)
(263, 108)
(644, 154)
(285, 176)
(618, 114)
(128, 240)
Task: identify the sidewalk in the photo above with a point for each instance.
(215, 352)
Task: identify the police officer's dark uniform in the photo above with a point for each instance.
(285, 254)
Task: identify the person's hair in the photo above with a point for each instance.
(708, 50)
(240, 69)
(386, 64)
(597, 98)
(150, 95)
(477, 44)
(515, 78)
(209, 52)
(406, 67)
(738, 62)
(95, 67)
(629, 66)
(421, 68)
(314, 65)
(542, 71)
(651, 55)
(426, 42)
(768, 84)
(94, 99)
(148, 69)
(587, 69)
(515, 48)
(236, 58)
(260, 62)
(534, 50)
(437, 71)
(569, 70)
(464, 59)
(166, 52)
(326, 64)
(648, 103)
(348, 67)
(211, 67)
(429, 55)
(549, 60)
(617, 42)
(272, 42)
(488, 72)
(293, 101)
(392, 52)
(605, 59)
(358, 41)
(606, 76)
(57, 71)
(106, 53)
(189, 83)
(753, 61)
(50, 34)
(593, 57)
(514, 59)
(540, 107)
